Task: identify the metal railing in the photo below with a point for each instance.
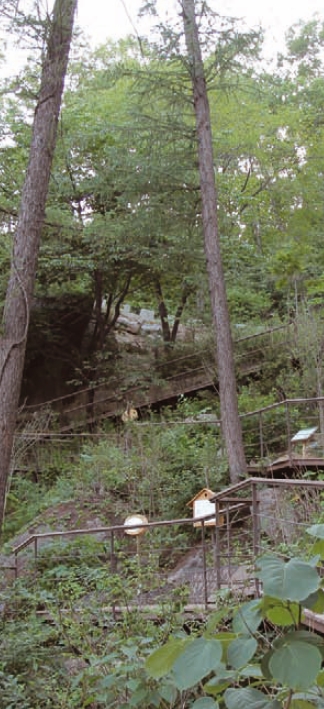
(108, 400)
(119, 548)
(267, 432)
(273, 521)
(253, 516)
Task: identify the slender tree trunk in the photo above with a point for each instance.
(163, 313)
(179, 311)
(29, 225)
(231, 424)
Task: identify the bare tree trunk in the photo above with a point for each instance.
(231, 424)
(179, 311)
(163, 313)
(29, 225)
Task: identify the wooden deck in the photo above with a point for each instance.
(288, 465)
(313, 621)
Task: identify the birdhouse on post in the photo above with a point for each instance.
(201, 507)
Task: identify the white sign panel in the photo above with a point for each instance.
(201, 509)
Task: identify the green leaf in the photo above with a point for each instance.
(313, 696)
(265, 665)
(138, 697)
(218, 688)
(161, 661)
(248, 617)
(316, 530)
(293, 580)
(225, 639)
(320, 679)
(315, 601)
(302, 704)
(169, 693)
(249, 698)
(241, 651)
(205, 703)
(107, 681)
(318, 548)
(154, 698)
(305, 636)
(217, 685)
(216, 618)
(198, 660)
(296, 664)
(283, 614)
(251, 671)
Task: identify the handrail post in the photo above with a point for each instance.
(261, 436)
(228, 540)
(112, 553)
(256, 532)
(217, 547)
(288, 427)
(35, 550)
(113, 568)
(203, 541)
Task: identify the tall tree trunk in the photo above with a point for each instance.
(29, 225)
(231, 424)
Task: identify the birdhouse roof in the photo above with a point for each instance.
(204, 494)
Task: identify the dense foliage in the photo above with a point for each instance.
(124, 206)
(67, 643)
(123, 224)
(266, 657)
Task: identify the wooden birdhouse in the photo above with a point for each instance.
(201, 507)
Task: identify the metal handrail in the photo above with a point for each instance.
(271, 482)
(222, 495)
(226, 501)
(100, 530)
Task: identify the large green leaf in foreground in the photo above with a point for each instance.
(249, 698)
(200, 658)
(205, 703)
(161, 661)
(293, 580)
(296, 664)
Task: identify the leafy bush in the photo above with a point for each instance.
(265, 658)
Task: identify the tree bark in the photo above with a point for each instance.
(29, 225)
(179, 311)
(163, 313)
(231, 425)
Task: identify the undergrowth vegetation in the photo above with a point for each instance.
(65, 643)
(73, 630)
(153, 468)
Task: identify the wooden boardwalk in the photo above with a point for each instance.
(90, 406)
